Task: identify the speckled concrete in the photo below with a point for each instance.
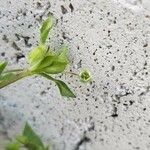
(109, 37)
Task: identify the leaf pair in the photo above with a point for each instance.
(48, 61)
(29, 140)
(41, 59)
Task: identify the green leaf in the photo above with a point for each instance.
(57, 63)
(63, 54)
(32, 146)
(32, 138)
(36, 56)
(6, 77)
(55, 67)
(45, 63)
(63, 88)
(28, 143)
(47, 148)
(52, 64)
(45, 29)
(22, 139)
(2, 66)
(13, 146)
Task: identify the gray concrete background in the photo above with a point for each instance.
(109, 37)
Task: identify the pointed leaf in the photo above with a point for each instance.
(2, 66)
(63, 88)
(56, 67)
(32, 136)
(46, 62)
(13, 146)
(59, 62)
(36, 55)
(63, 54)
(51, 65)
(45, 29)
(6, 76)
(29, 144)
(22, 139)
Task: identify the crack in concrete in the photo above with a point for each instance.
(82, 141)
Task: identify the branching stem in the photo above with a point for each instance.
(15, 77)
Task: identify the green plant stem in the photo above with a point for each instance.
(48, 77)
(71, 73)
(15, 77)
(14, 70)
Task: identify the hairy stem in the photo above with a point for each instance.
(15, 77)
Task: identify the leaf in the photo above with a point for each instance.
(46, 62)
(28, 143)
(59, 62)
(52, 65)
(47, 148)
(45, 29)
(32, 138)
(36, 56)
(13, 146)
(63, 54)
(63, 88)
(6, 77)
(55, 67)
(32, 146)
(22, 139)
(2, 66)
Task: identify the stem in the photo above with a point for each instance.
(14, 70)
(48, 77)
(72, 73)
(15, 77)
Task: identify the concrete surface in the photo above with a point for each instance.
(109, 37)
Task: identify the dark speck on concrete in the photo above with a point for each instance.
(15, 46)
(114, 115)
(5, 38)
(63, 9)
(19, 56)
(26, 41)
(71, 7)
(83, 140)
